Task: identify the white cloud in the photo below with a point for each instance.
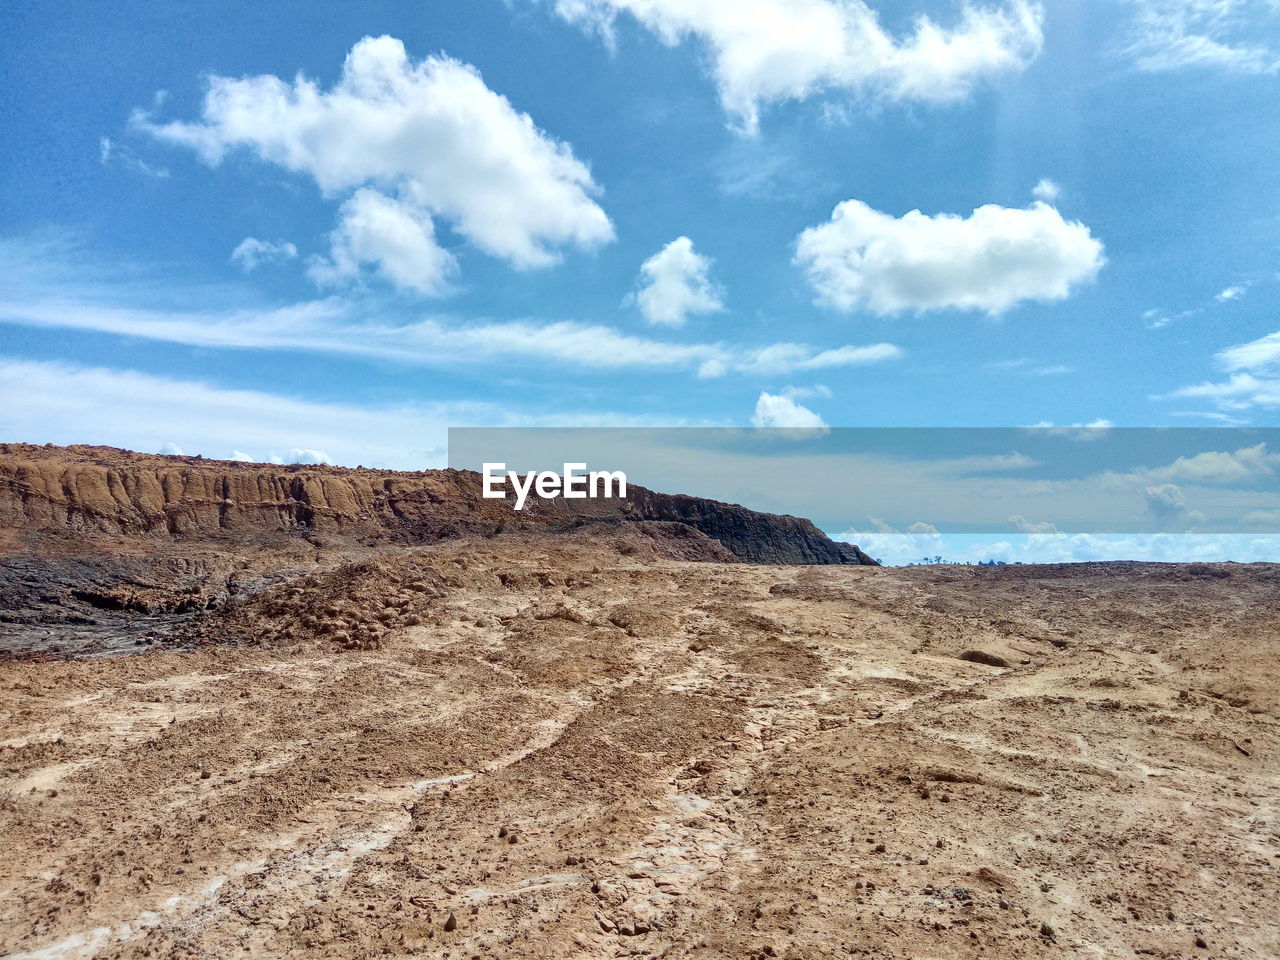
(1032, 526)
(1256, 355)
(1225, 419)
(765, 51)
(431, 133)
(1026, 367)
(805, 393)
(991, 260)
(676, 284)
(782, 358)
(60, 403)
(1223, 34)
(1165, 501)
(781, 411)
(1234, 292)
(1241, 392)
(43, 402)
(1247, 463)
(303, 455)
(1254, 381)
(398, 238)
(898, 548)
(1046, 190)
(110, 152)
(251, 253)
(335, 327)
(1079, 432)
(44, 284)
(170, 449)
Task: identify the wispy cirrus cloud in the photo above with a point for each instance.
(1222, 34)
(1254, 380)
(52, 402)
(252, 253)
(336, 326)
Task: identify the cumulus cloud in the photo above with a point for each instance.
(251, 253)
(1233, 292)
(1046, 190)
(1082, 432)
(1032, 526)
(677, 283)
(303, 455)
(431, 133)
(239, 456)
(1218, 466)
(765, 51)
(1165, 501)
(991, 260)
(1223, 34)
(397, 238)
(897, 548)
(170, 449)
(773, 410)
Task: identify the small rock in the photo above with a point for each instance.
(451, 924)
(985, 658)
(1046, 931)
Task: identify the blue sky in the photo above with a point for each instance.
(609, 212)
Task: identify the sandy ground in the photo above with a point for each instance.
(577, 754)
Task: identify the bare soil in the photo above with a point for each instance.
(573, 749)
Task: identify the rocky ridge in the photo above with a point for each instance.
(97, 491)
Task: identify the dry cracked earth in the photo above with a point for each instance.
(559, 750)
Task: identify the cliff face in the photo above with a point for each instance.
(104, 491)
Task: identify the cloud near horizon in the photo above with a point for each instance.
(64, 403)
(781, 411)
